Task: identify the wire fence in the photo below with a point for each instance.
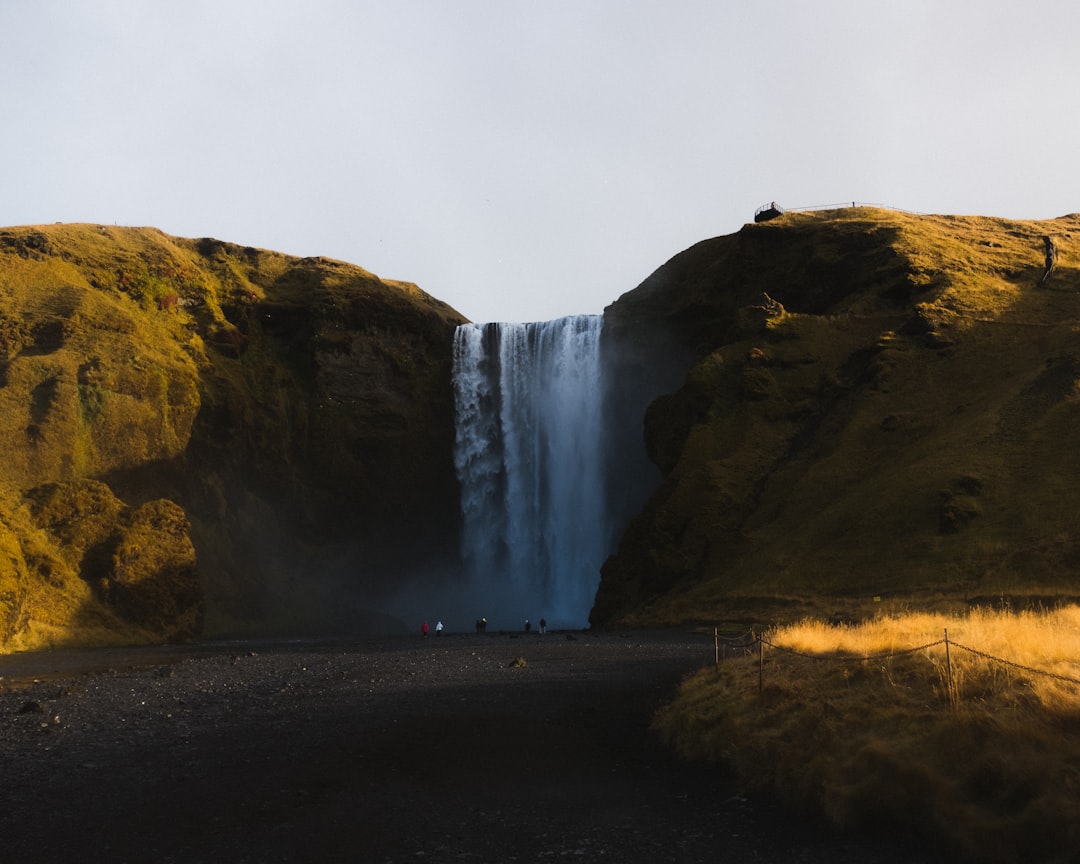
(749, 643)
(774, 209)
(848, 204)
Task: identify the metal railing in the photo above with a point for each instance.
(844, 205)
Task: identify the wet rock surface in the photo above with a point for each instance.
(388, 750)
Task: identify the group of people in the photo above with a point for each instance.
(425, 630)
(481, 627)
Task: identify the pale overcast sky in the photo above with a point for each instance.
(528, 160)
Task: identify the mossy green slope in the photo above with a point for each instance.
(881, 406)
(201, 437)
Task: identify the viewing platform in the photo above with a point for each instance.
(768, 211)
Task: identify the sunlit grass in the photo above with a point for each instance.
(1045, 641)
(978, 749)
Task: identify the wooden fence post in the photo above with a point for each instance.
(760, 665)
(948, 670)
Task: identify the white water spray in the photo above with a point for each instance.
(530, 463)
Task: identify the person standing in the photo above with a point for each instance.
(438, 628)
(424, 629)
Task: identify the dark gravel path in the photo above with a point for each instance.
(391, 750)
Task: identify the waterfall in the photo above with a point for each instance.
(529, 458)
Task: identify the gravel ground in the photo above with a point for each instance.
(388, 750)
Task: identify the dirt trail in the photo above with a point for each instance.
(390, 750)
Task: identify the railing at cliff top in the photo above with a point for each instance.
(844, 205)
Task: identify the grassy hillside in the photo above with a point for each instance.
(881, 410)
(202, 437)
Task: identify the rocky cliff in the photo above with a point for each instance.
(880, 407)
(200, 437)
(843, 410)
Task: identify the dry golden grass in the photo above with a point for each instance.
(978, 750)
(1046, 642)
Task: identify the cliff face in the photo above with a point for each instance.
(202, 437)
(878, 405)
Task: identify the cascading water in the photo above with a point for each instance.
(529, 459)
